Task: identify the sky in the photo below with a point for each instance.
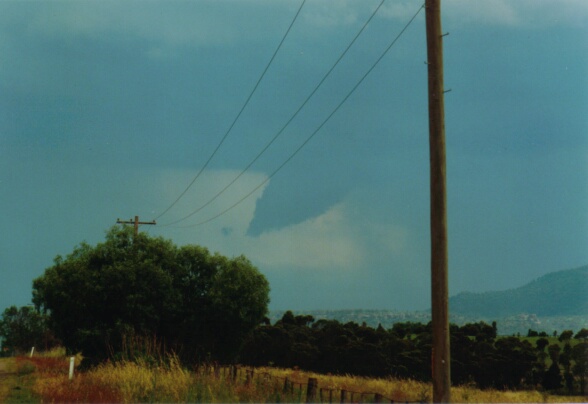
(111, 109)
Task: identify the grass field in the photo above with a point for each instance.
(45, 379)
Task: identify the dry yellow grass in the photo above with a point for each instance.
(397, 390)
(466, 394)
(125, 381)
(131, 382)
(139, 382)
(415, 391)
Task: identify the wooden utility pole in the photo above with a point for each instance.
(439, 280)
(135, 222)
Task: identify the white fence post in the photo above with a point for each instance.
(32, 351)
(71, 367)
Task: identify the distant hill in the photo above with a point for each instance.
(561, 293)
(556, 301)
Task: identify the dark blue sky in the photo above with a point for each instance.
(110, 109)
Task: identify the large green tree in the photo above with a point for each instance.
(199, 304)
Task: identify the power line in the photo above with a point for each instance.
(266, 147)
(236, 117)
(318, 128)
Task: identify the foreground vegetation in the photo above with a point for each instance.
(45, 379)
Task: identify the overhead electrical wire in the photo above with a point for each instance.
(283, 128)
(317, 129)
(237, 116)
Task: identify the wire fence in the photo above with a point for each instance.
(294, 389)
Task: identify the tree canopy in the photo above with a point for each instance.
(201, 305)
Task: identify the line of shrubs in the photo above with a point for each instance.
(478, 355)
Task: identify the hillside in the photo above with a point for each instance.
(561, 293)
(556, 301)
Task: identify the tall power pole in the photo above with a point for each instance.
(439, 261)
(135, 223)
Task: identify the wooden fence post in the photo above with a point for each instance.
(343, 394)
(311, 389)
(286, 382)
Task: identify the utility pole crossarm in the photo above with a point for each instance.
(135, 223)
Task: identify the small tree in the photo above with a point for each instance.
(582, 334)
(565, 335)
(580, 369)
(552, 379)
(554, 350)
(541, 343)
